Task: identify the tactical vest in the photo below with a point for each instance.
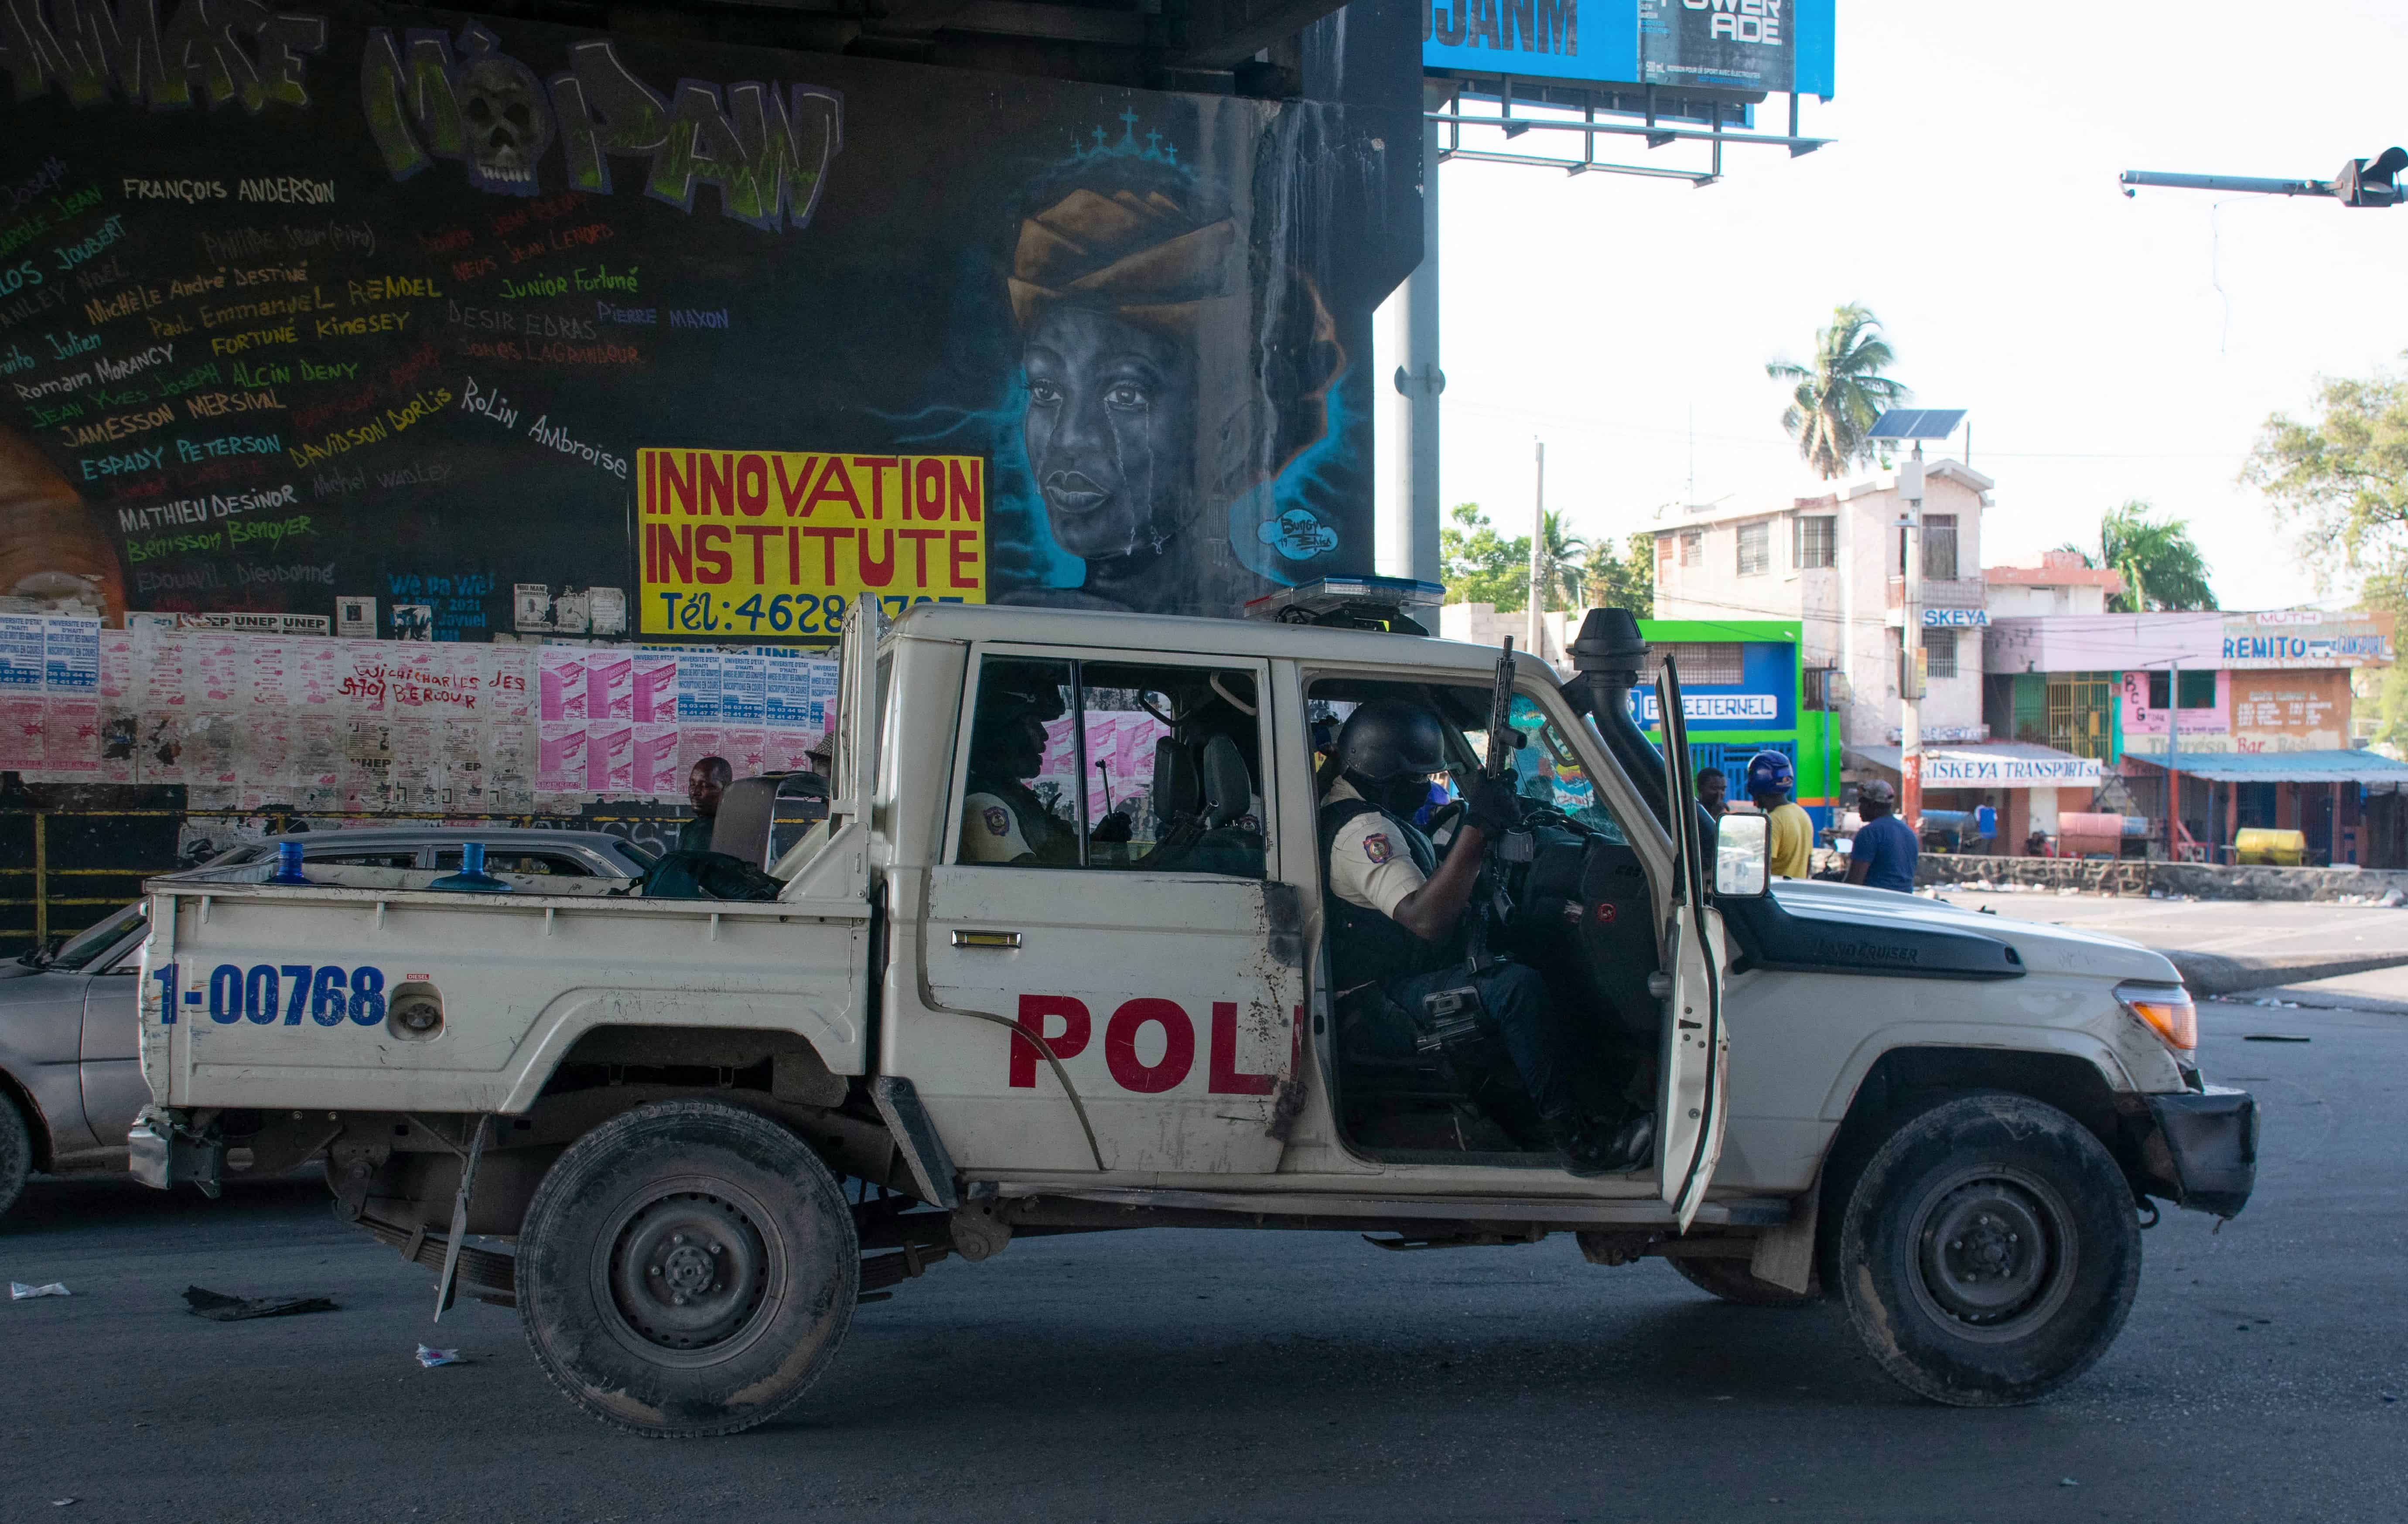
(1366, 946)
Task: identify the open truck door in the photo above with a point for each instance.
(1691, 1109)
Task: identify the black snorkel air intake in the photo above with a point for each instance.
(1607, 658)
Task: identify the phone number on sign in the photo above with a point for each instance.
(788, 613)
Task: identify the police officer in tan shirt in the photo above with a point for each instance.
(1397, 917)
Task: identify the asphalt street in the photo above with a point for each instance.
(1252, 1375)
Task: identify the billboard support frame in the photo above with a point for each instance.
(1453, 120)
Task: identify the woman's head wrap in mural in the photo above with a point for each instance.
(1174, 371)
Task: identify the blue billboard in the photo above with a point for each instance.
(1742, 45)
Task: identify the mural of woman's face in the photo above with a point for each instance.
(1109, 430)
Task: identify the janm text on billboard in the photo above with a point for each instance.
(744, 544)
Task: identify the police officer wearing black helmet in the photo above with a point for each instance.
(1396, 915)
(1003, 818)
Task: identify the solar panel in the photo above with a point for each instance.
(1917, 423)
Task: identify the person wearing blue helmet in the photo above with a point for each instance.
(1769, 782)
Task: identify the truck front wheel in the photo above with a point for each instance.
(687, 1269)
(1989, 1251)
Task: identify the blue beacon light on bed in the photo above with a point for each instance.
(472, 878)
(288, 863)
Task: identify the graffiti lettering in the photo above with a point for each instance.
(766, 152)
(218, 51)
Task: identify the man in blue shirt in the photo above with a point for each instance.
(1882, 856)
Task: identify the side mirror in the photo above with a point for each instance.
(1742, 857)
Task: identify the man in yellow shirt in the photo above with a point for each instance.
(1770, 780)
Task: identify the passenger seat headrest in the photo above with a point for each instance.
(1174, 782)
(1228, 788)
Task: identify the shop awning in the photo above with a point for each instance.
(1988, 764)
(2368, 767)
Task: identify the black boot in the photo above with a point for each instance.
(1633, 1145)
(1584, 1154)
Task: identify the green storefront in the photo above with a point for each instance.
(1744, 693)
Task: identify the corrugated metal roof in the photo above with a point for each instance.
(2280, 766)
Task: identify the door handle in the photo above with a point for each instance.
(1001, 941)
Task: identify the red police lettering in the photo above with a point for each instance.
(1224, 1076)
(1178, 1045)
(1069, 1042)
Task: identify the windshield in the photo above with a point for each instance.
(87, 945)
(1549, 772)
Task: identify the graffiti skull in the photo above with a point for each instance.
(508, 120)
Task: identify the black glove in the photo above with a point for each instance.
(1493, 807)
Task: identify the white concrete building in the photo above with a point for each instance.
(1836, 563)
(2060, 584)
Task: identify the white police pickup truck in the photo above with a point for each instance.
(691, 1135)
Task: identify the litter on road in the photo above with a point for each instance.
(220, 1307)
(2275, 1038)
(19, 1290)
(432, 1358)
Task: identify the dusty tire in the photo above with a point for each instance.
(1989, 1251)
(687, 1269)
(16, 1152)
(1729, 1279)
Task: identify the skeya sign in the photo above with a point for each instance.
(1065, 1026)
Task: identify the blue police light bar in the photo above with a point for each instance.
(1395, 603)
(1916, 423)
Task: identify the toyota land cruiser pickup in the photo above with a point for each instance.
(685, 1137)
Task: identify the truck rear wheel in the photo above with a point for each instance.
(1730, 1280)
(1989, 1251)
(687, 1269)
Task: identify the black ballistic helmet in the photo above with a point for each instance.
(1388, 739)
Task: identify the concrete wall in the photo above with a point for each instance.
(2200, 880)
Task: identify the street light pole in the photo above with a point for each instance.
(1909, 676)
(1538, 550)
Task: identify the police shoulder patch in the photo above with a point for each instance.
(998, 820)
(1376, 848)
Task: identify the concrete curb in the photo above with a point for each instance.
(2207, 974)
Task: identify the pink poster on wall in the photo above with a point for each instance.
(609, 686)
(609, 756)
(560, 757)
(22, 722)
(744, 747)
(560, 673)
(653, 764)
(652, 682)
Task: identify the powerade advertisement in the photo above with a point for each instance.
(1736, 45)
(466, 325)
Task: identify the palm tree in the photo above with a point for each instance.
(2161, 567)
(1562, 572)
(1837, 397)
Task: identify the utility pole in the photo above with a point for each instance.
(1538, 553)
(1408, 542)
(2173, 743)
(1910, 645)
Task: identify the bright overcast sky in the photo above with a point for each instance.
(1971, 200)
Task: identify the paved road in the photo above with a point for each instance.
(2239, 928)
(1240, 1376)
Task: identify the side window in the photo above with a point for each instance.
(407, 858)
(1114, 765)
